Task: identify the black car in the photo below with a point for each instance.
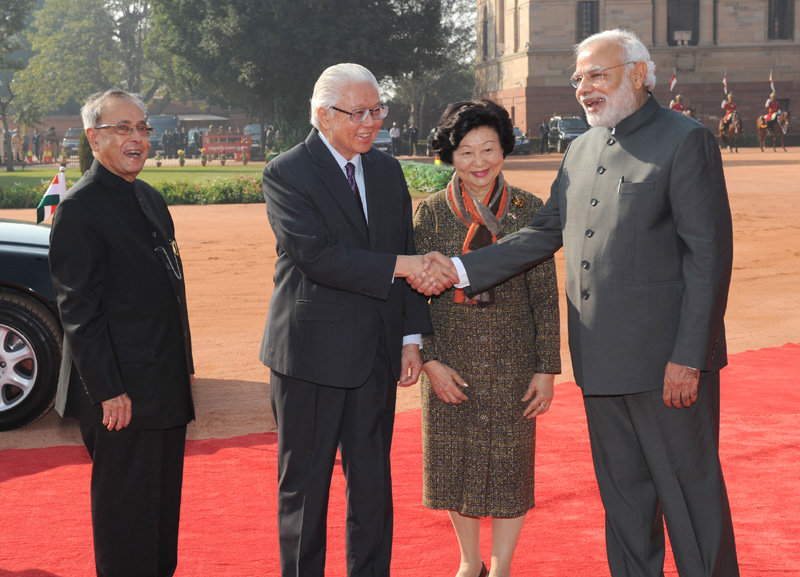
(71, 140)
(30, 332)
(563, 130)
(522, 144)
(383, 141)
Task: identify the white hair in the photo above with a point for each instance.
(93, 109)
(331, 84)
(633, 48)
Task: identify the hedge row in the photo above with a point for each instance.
(426, 178)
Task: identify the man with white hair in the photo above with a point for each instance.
(127, 359)
(641, 209)
(341, 333)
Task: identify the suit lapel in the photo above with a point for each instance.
(373, 183)
(336, 184)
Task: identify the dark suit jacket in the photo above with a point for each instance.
(644, 218)
(121, 296)
(334, 286)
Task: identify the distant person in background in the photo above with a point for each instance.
(16, 143)
(543, 133)
(37, 140)
(773, 110)
(394, 133)
(729, 106)
(166, 143)
(270, 138)
(198, 141)
(413, 139)
(678, 105)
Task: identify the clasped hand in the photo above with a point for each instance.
(430, 274)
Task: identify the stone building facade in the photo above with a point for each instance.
(525, 52)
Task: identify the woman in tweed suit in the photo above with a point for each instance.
(491, 362)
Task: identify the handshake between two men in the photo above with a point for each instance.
(430, 274)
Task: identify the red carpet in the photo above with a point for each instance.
(228, 522)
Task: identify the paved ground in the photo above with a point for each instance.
(229, 257)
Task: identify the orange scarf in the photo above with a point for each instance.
(482, 220)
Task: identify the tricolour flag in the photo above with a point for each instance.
(725, 82)
(673, 81)
(771, 83)
(52, 196)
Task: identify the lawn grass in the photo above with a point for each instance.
(190, 173)
(151, 174)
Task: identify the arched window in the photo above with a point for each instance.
(683, 22)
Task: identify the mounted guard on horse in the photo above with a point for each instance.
(766, 124)
(731, 125)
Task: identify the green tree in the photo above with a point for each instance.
(424, 91)
(13, 19)
(83, 46)
(265, 56)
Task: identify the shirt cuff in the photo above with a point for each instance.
(413, 340)
(463, 279)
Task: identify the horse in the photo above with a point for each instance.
(731, 135)
(764, 130)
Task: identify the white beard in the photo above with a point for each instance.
(619, 105)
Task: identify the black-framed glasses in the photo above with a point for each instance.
(360, 114)
(593, 76)
(126, 128)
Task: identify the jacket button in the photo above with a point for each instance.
(601, 169)
(585, 265)
(590, 233)
(593, 202)
(154, 234)
(585, 295)
(611, 141)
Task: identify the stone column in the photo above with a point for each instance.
(706, 22)
(660, 22)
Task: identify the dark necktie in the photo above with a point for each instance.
(351, 179)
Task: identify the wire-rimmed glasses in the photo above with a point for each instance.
(360, 114)
(593, 76)
(126, 128)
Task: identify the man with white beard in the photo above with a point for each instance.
(641, 209)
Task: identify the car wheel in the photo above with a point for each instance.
(30, 358)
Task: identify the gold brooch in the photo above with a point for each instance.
(517, 201)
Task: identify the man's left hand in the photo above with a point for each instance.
(680, 386)
(410, 365)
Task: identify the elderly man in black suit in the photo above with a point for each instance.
(641, 208)
(127, 361)
(341, 332)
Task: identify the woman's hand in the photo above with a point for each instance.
(445, 382)
(540, 394)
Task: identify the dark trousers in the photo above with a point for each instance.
(543, 145)
(313, 421)
(136, 499)
(655, 464)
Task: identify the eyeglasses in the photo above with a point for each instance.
(360, 114)
(593, 76)
(126, 128)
